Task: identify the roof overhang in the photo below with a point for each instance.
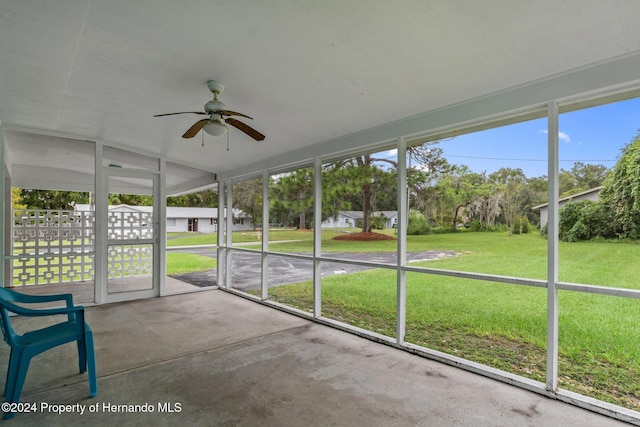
(319, 78)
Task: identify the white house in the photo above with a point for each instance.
(203, 220)
(179, 219)
(592, 194)
(346, 219)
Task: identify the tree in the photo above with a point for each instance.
(536, 193)
(374, 177)
(16, 199)
(292, 194)
(621, 191)
(459, 188)
(201, 199)
(52, 199)
(130, 199)
(247, 196)
(581, 177)
(513, 185)
(485, 204)
(360, 175)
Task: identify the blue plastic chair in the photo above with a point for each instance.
(25, 347)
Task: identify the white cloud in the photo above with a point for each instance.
(562, 136)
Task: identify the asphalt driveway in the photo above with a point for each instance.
(286, 270)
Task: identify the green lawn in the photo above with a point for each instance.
(180, 263)
(247, 236)
(497, 324)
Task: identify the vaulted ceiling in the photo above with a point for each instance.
(309, 72)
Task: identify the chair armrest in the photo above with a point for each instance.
(23, 311)
(35, 299)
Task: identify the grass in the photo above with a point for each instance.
(246, 236)
(496, 324)
(180, 263)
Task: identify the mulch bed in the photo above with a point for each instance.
(362, 236)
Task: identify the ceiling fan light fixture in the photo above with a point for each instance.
(219, 118)
(215, 127)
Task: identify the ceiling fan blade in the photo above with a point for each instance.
(193, 130)
(184, 112)
(232, 113)
(246, 129)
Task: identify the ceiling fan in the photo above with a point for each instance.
(218, 119)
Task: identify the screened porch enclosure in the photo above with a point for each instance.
(359, 102)
(408, 302)
(58, 249)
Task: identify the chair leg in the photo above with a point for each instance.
(19, 377)
(10, 371)
(91, 362)
(82, 355)
(15, 358)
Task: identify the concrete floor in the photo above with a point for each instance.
(84, 292)
(216, 359)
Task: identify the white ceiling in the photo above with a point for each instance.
(309, 72)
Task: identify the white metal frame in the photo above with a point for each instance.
(550, 388)
(157, 240)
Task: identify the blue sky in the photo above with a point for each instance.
(593, 135)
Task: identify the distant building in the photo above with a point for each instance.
(347, 219)
(592, 194)
(202, 220)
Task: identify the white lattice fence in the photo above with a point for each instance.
(52, 246)
(57, 246)
(130, 260)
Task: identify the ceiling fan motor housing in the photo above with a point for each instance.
(213, 106)
(215, 86)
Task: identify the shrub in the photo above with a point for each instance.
(440, 230)
(517, 225)
(585, 220)
(524, 225)
(544, 231)
(475, 225)
(417, 223)
(620, 191)
(378, 222)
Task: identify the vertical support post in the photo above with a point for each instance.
(7, 232)
(552, 248)
(401, 292)
(220, 273)
(265, 236)
(5, 215)
(100, 227)
(317, 238)
(160, 206)
(229, 235)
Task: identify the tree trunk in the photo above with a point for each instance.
(366, 208)
(303, 220)
(455, 217)
(454, 223)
